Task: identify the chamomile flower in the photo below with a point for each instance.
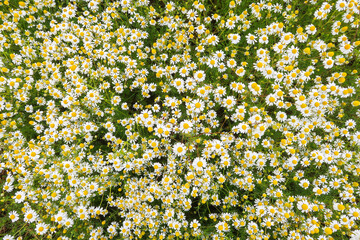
(255, 88)
(186, 126)
(251, 39)
(230, 24)
(212, 40)
(263, 39)
(199, 163)
(304, 206)
(355, 235)
(19, 196)
(192, 15)
(234, 38)
(30, 216)
(199, 76)
(310, 29)
(197, 106)
(179, 149)
(346, 48)
(229, 102)
(328, 63)
(14, 216)
(41, 228)
(8, 237)
(219, 55)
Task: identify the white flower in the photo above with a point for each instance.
(60, 217)
(14, 216)
(229, 102)
(310, 29)
(212, 62)
(195, 224)
(231, 63)
(30, 216)
(199, 76)
(328, 63)
(355, 235)
(186, 126)
(250, 38)
(347, 17)
(346, 47)
(263, 39)
(192, 15)
(234, 38)
(198, 106)
(41, 228)
(199, 163)
(230, 24)
(200, 29)
(19, 197)
(304, 206)
(179, 149)
(255, 88)
(219, 55)
(8, 237)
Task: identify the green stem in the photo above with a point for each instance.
(20, 229)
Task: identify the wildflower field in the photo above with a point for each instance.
(156, 119)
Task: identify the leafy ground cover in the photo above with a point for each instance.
(158, 119)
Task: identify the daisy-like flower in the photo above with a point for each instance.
(8, 237)
(355, 213)
(304, 183)
(251, 39)
(184, 71)
(14, 216)
(170, 6)
(200, 29)
(304, 206)
(229, 102)
(19, 196)
(186, 126)
(328, 63)
(310, 29)
(199, 76)
(271, 99)
(89, 127)
(179, 149)
(212, 62)
(195, 224)
(263, 39)
(212, 40)
(219, 55)
(341, 5)
(231, 63)
(320, 14)
(269, 72)
(240, 71)
(355, 235)
(255, 88)
(230, 24)
(350, 124)
(346, 47)
(30, 216)
(216, 17)
(192, 14)
(41, 228)
(199, 163)
(348, 17)
(197, 105)
(320, 45)
(234, 38)
(279, 47)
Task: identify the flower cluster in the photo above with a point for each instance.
(199, 119)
